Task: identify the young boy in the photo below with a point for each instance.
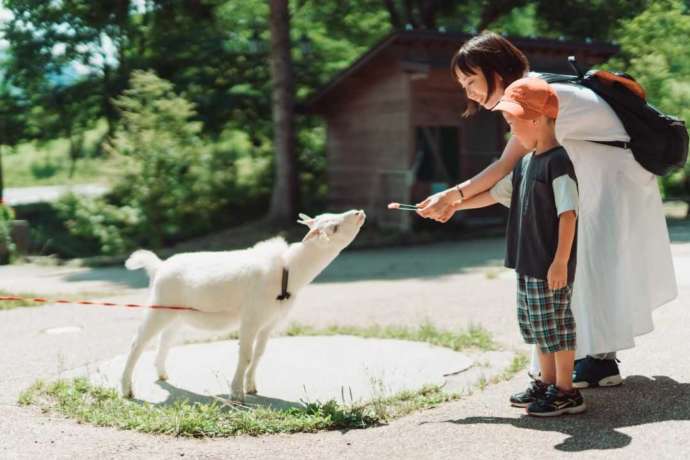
(543, 199)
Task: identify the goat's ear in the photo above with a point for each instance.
(305, 220)
(313, 233)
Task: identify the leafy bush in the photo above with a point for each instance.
(113, 228)
(173, 183)
(7, 248)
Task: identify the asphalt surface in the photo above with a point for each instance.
(452, 285)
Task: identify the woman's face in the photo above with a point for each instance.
(476, 88)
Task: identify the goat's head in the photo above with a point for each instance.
(337, 230)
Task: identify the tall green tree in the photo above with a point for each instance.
(284, 198)
(46, 38)
(653, 53)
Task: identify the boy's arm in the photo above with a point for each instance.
(478, 201)
(567, 200)
(566, 236)
(557, 276)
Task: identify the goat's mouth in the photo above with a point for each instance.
(360, 219)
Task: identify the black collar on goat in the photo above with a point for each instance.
(284, 294)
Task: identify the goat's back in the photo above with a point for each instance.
(223, 280)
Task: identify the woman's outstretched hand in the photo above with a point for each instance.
(439, 207)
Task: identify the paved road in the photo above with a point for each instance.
(26, 195)
(451, 284)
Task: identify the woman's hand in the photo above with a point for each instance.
(439, 206)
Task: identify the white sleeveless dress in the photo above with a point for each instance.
(624, 265)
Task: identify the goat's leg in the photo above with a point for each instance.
(259, 348)
(247, 338)
(152, 325)
(164, 343)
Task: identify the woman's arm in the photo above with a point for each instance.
(439, 205)
(512, 153)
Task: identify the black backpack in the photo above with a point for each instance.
(659, 142)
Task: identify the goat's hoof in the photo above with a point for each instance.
(237, 397)
(162, 376)
(252, 391)
(127, 393)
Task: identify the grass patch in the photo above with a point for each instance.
(48, 163)
(99, 406)
(518, 363)
(475, 337)
(86, 403)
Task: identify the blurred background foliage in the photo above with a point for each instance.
(169, 102)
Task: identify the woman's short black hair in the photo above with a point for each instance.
(491, 54)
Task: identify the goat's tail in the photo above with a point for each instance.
(144, 259)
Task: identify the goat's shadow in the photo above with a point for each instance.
(640, 401)
(177, 394)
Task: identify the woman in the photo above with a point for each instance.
(624, 266)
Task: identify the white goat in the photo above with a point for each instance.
(236, 287)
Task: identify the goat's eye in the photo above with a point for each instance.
(335, 229)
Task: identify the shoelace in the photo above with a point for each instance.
(551, 393)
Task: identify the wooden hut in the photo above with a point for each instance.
(394, 125)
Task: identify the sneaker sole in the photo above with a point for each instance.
(520, 405)
(611, 381)
(569, 411)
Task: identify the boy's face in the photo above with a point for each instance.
(525, 130)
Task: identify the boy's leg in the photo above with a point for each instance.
(536, 388)
(556, 338)
(565, 361)
(547, 364)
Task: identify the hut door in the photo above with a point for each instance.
(438, 155)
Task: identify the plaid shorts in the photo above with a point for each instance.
(544, 315)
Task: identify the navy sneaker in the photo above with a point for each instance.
(536, 390)
(591, 373)
(557, 402)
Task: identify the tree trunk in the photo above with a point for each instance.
(393, 13)
(285, 189)
(427, 10)
(2, 179)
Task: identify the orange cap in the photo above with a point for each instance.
(529, 98)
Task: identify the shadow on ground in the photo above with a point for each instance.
(679, 230)
(176, 394)
(392, 263)
(640, 401)
(121, 276)
(423, 261)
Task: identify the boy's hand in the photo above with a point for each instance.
(557, 276)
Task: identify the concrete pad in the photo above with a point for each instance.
(293, 370)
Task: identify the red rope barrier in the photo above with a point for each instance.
(95, 303)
